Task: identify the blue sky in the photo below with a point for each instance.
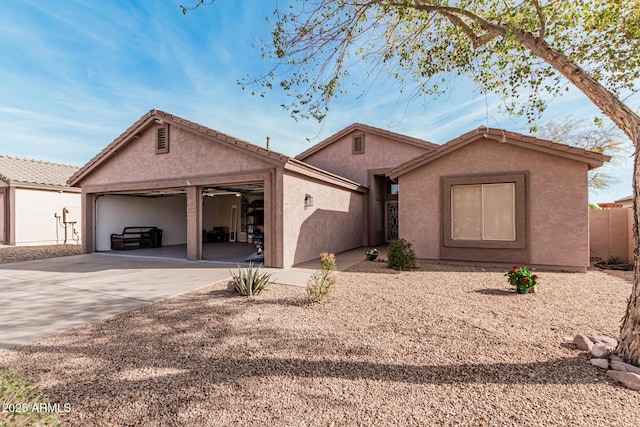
(76, 74)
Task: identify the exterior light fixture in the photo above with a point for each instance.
(308, 201)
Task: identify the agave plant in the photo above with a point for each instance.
(250, 281)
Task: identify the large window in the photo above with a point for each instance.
(483, 212)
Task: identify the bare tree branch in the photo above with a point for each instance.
(476, 40)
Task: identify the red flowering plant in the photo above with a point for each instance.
(522, 278)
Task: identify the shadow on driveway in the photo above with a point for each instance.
(47, 296)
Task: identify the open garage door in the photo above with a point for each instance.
(165, 211)
(232, 223)
(233, 228)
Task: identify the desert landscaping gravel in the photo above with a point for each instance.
(444, 345)
(27, 253)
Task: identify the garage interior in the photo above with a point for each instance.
(232, 222)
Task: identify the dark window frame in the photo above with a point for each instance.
(520, 179)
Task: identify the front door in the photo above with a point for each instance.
(391, 220)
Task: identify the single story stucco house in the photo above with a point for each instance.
(37, 206)
(488, 196)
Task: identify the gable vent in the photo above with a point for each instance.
(162, 139)
(358, 144)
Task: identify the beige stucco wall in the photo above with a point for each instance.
(189, 155)
(333, 224)
(557, 200)
(34, 219)
(380, 153)
(611, 233)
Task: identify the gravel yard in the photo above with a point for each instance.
(445, 345)
(27, 253)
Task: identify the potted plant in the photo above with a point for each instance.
(372, 254)
(523, 279)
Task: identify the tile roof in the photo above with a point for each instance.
(155, 114)
(592, 158)
(365, 128)
(15, 170)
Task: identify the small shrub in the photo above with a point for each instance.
(320, 286)
(250, 281)
(401, 255)
(21, 399)
(322, 282)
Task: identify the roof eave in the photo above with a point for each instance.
(148, 119)
(591, 158)
(48, 187)
(305, 169)
(355, 127)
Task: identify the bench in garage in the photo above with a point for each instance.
(137, 237)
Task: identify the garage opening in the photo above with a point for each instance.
(233, 223)
(160, 215)
(154, 223)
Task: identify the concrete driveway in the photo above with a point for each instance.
(43, 297)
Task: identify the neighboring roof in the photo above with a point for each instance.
(150, 118)
(609, 205)
(625, 199)
(592, 158)
(359, 127)
(15, 170)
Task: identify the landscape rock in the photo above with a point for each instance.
(583, 342)
(624, 367)
(603, 339)
(600, 363)
(616, 358)
(629, 379)
(601, 350)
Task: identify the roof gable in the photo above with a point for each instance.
(593, 159)
(359, 127)
(15, 170)
(155, 116)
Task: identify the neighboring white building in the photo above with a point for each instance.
(37, 207)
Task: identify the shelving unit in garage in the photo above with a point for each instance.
(255, 221)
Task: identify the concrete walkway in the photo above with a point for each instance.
(44, 297)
